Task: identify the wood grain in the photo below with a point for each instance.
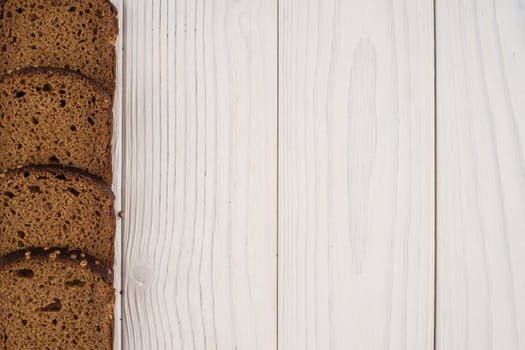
(481, 174)
(356, 184)
(199, 243)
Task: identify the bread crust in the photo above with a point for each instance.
(74, 257)
(64, 169)
(47, 70)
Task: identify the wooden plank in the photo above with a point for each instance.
(356, 184)
(200, 174)
(117, 176)
(481, 174)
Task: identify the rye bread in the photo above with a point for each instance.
(55, 116)
(55, 299)
(77, 35)
(56, 206)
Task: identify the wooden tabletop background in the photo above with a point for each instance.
(320, 175)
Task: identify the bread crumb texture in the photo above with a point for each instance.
(77, 35)
(50, 116)
(55, 207)
(54, 304)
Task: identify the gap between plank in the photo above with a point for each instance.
(277, 300)
(435, 180)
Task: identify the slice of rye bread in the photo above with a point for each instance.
(55, 116)
(55, 299)
(55, 206)
(77, 35)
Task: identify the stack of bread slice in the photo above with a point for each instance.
(57, 218)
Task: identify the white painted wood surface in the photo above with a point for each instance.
(200, 174)
(481, 174)
(356, 185)
(277, 166)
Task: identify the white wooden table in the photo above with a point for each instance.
(321, 174)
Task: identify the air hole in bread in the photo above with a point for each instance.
(75, 283)
(25, 273)
(35, 120)
(91, 121)
(24, 323)
(73, 191)
(53, 159)
(21, 234)
(9, 194)
(47, 87)
(20, 94)
(20, 10)
(53, 307)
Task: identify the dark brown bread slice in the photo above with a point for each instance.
(55, 116)
(55, 299)
(77, 35)
(54, 206)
